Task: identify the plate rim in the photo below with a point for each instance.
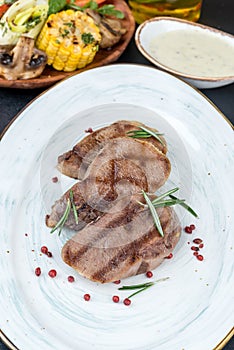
(103, 67)
(3, 336)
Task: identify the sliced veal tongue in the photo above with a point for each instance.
(75, 162)
(124, 166)
(122, 243)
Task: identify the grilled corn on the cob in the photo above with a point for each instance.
(70, 40)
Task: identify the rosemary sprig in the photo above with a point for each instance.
(160, 202)
(154, 214)
(70, 204)
(137, 286)
(139, 291)
(141, 287)
(145, 133)
(74, 207)
(63, 219)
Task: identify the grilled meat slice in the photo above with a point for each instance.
(85, 212)
(136, 161)
(122, 243)
(75, 162)
(123, 167)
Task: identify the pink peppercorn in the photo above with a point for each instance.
(188, 229)
(115, 298)
(194, 248)
(71, 279)
(149, 274)
(87, 297)
(37, 271)
(127, 301)
(169, 256)
(52, 273)
(89, 130)
(44, 249)
(117, 282)
(197, 240)
(200, 257)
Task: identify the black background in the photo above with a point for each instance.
(215, 13)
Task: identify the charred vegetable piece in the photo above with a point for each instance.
(110, 28)
(23, 17)
(70, 39)
(22, 61)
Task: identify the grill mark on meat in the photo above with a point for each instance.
(122, 218)
(114, 175)
(140, 157)
(130, 252)
(75, 162)
(133, 248)
(117, 171)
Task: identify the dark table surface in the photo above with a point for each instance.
(215, 13)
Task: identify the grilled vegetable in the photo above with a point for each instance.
(22, 61)
(23, 17)
(110, 28)
(70, 40)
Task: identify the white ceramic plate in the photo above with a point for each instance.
(192, 310)
(154, 27)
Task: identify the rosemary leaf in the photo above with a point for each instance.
(168, 203)
(137, 286)
(186, 206)
(138, 133)
(145, 133)
(63, 219)
(165, 195)
(154, 134)
(154, 214)
(137, 136)
(141, 287)
(159, 203)
(142, 132)
(74, 207)
(139, 291)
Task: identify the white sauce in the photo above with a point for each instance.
(196, 53)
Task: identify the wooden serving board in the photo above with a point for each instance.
(103, 57)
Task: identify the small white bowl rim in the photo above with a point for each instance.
(168, 69)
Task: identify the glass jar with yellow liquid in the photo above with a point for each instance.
(146, 9)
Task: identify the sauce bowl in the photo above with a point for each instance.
(201, 55)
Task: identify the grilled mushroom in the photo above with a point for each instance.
(111, 29)
(22, 61)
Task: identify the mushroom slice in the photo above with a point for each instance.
(22, 61)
